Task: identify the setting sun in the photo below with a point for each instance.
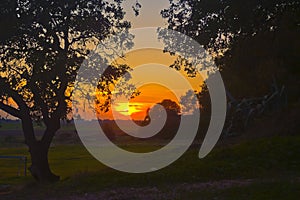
(129, 108)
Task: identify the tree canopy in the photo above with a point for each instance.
(251, 40)
(218, 24)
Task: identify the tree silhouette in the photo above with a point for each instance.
(218, 24)
(251, 40)
(173, 112)
(43, 43)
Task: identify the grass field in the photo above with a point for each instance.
(266, 168)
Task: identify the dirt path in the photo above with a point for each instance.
(153, 193)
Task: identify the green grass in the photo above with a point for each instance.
(274, 159)
(10, 126)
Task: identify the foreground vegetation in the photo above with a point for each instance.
(262, 168)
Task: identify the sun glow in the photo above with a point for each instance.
(150, 94)
(127, 108)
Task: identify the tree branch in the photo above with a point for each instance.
(10, 110)
(50, 132)
(15, 96)
(24, 113)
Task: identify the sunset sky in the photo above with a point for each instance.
(150, 94)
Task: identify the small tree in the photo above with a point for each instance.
(173, 111)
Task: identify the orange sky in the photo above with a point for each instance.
(150, 94)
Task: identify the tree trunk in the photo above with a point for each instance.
(38, 150)
(39, 168)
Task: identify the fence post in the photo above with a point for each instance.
(25, 166)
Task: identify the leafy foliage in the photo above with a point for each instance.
(251, 41)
